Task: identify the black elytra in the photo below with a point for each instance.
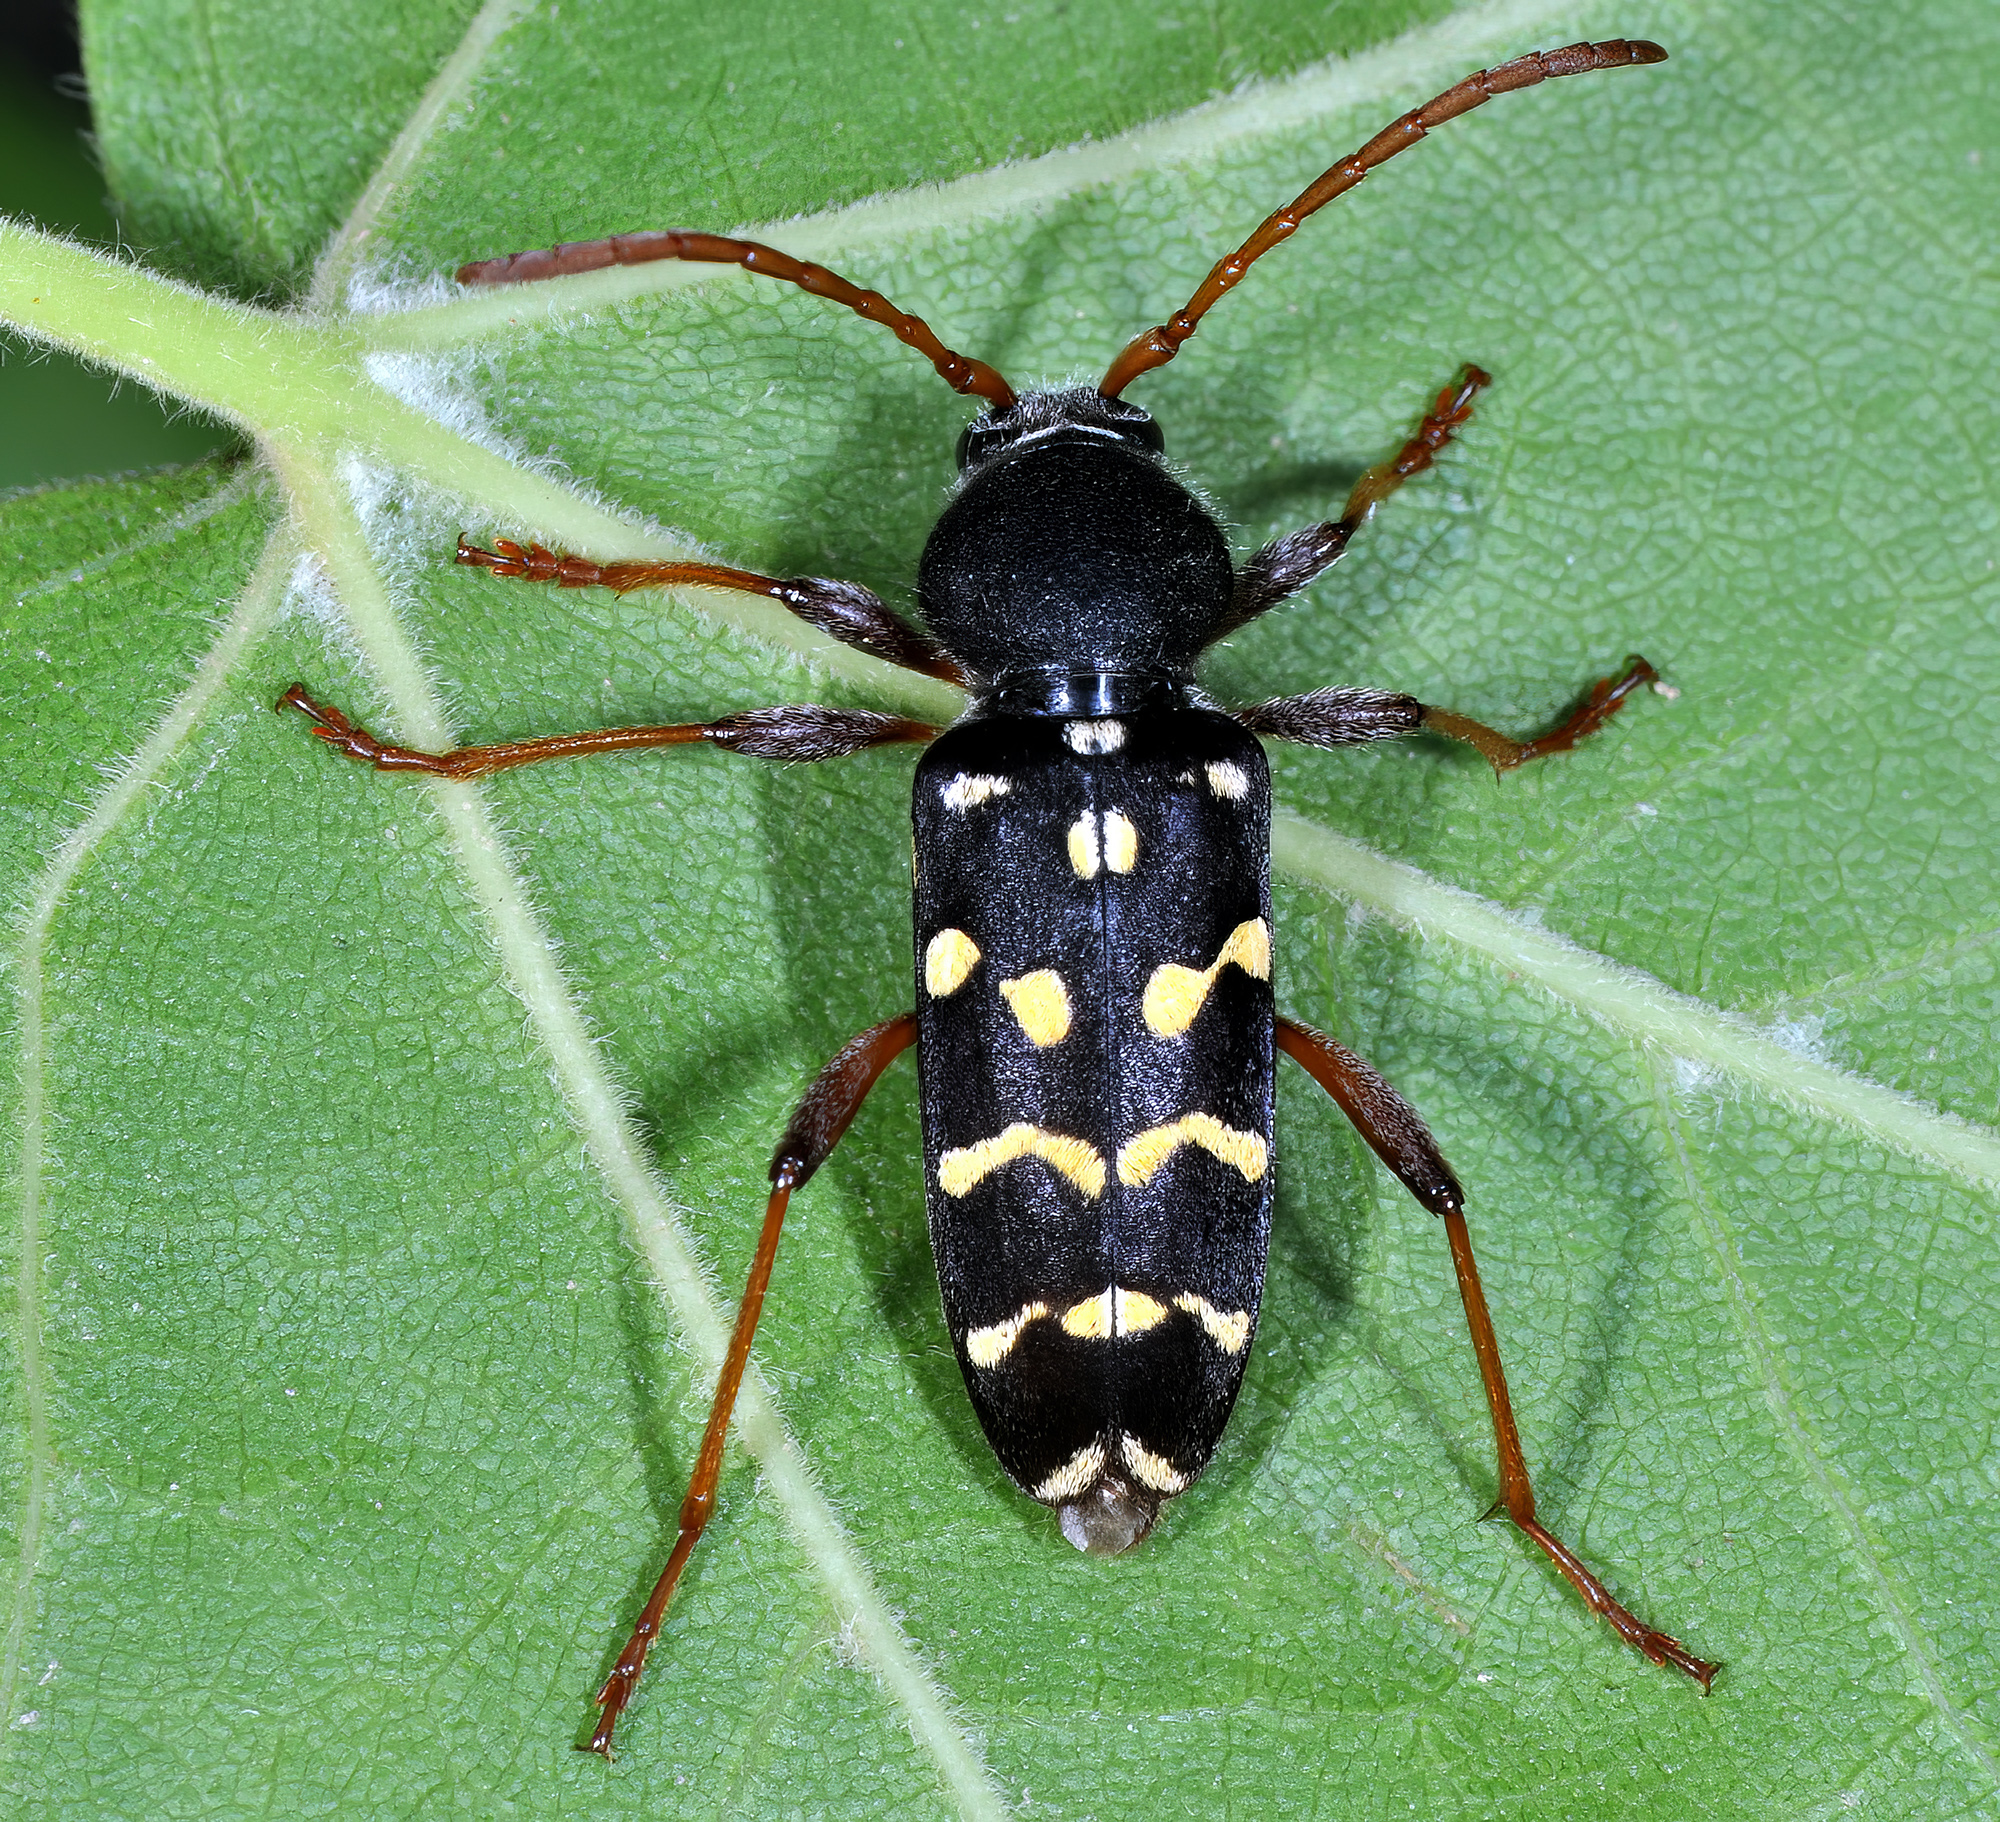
(1099, 1185)
(1095, 1030)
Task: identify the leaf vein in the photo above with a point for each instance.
(599, 1110)
(445, 91)
(1792, 1424)
(125, 793)
(1626, 1000)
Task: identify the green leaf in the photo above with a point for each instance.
(371, 1131)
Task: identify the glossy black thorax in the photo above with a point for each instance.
(1070, 546)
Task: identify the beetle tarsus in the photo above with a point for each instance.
(1606, 696)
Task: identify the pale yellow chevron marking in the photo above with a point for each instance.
(1175, 994)
(1103, 1317)
(1074, 1475)
(1231, 1332)
(1133, 1312)
(1089, 1320)
(1085, 851)
(1077, 1159)
(969, 789)
(1110, 1313)
(948, 958)
(989, 1346)
(1121, 842)
(1228, 779)
(1148, 1469)
(1140, 1157)
(1094, 736)
(1041, 1005)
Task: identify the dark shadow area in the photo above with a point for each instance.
(40, 36)
(1314, 490)
(685, 1089)
(1037, 293)
(64, 419)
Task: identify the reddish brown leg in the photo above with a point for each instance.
(1452, 411)
(1287, 564)
(1395, 1131)
(1344, 718)
(829, 1106)
(845, 611)
(1517, 1495)
(1607, 696)
(960, 372)
(800, 732)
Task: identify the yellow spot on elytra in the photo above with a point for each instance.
(1083, 849)
(1231, 1332)
(1228, 779)
(1148, 1469)
(1175, 994)
(1076, 1159)
(1134, 1312)
(1094, 736)
(971, 788)
(1041, 1004)
(948, 958)
(1074, 1475)
(1121, 842)
(1111, 841)
(1089, 1320)
(1140, 1157)
(989, 1346)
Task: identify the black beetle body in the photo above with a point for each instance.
(1098, 1183)
(1070, 547)
(1095, 1027)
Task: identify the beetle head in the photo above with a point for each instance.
(1076, 413)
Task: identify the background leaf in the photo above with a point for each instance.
(65, 419)
(347, 1424)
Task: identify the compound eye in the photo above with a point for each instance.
(1139, 425)
(975, 440)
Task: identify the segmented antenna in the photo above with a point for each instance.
(960, 372)
(1160, 344)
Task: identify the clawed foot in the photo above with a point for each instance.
(507, 558)
(341, 732)
(330, 724)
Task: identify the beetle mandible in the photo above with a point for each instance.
(1095, 1030)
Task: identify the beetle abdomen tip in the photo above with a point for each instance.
(1110, 1516)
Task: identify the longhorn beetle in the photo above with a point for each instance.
(1094, 1027)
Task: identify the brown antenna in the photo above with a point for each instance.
(960, 372)
(1159, 345)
